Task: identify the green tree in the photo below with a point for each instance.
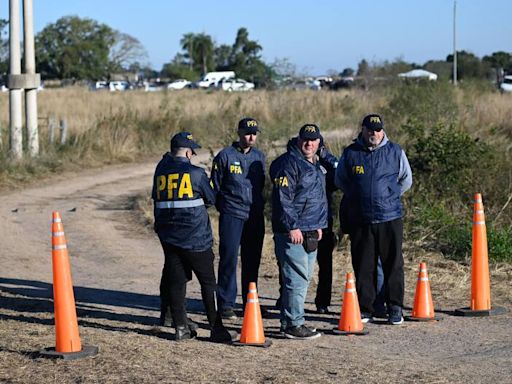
(187, 44)
(469, 66)
(222, 55)
(203, 52)
(499, 60)
(178, 68)
(74, 48)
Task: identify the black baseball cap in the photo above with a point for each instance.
(248, 126)
(309, 132)
(373, 122)
(184, 140)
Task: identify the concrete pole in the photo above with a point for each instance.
(16, 142)
(454, 43)
(30, 69)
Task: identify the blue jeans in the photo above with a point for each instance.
(296, 269)
(379, 305)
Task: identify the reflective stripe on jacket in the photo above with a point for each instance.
(181, 194)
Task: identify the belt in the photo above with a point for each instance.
(179, 203)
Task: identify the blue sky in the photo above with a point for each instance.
(316, 36)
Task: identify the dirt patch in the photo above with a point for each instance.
(116, 264)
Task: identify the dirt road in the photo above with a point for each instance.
(116, 266)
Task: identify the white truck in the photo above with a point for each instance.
(211, 79)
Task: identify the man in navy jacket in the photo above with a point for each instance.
(299, 212)
(181, 194)
(238, 177)
(373, 173)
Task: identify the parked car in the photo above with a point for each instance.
(231, 85)
(506, 85)
(118, 85)
(154, 87)
(178, 84)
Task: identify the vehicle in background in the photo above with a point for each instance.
(344, 82)
(211, 79)
(178, 84)
(232, 84)
(303, 84)
(154, 87)
(118, 85)
(98, 85)
(506, 84)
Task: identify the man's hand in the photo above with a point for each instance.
(296, 236)
(320, 233)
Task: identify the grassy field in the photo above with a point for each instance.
(457, 140)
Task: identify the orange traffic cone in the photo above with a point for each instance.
(67, 338)
(252, 328)
(480, 282)
(423, 309)
(350, 320)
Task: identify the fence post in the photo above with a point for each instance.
(51, 129)
(63, 131)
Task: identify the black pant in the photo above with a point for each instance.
(368, 242)
(324, 258)
(178, 268)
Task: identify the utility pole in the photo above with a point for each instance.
(15, 131)
(28, 81)
(30, 70)
(454, 43)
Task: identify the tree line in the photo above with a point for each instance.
(77, 48)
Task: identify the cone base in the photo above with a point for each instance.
(87, 350)
(336, 331)
(266, 344)
(422, 319)
(468, 312)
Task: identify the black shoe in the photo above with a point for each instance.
(183, 332)
(220, 334)
(229, 314)
(301, 332)
(322, 310)
(395, 315)
(265, 313)
(282, 329)
(166, 321)
(366, 317)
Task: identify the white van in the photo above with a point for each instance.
(213, 78)
(506, 85)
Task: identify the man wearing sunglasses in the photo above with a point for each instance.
(373, 173)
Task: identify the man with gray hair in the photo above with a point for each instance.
(373, 173)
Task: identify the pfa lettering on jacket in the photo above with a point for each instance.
(281, 181)
(235, 168)
(177, 185)
(358, 170)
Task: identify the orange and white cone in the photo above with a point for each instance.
(480, 281)
(350, 320)
(67, 338)
(423, 309)
(252, 333)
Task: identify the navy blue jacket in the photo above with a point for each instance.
(298, 196)
(372, 182)
(181, 193)
(238, 179)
